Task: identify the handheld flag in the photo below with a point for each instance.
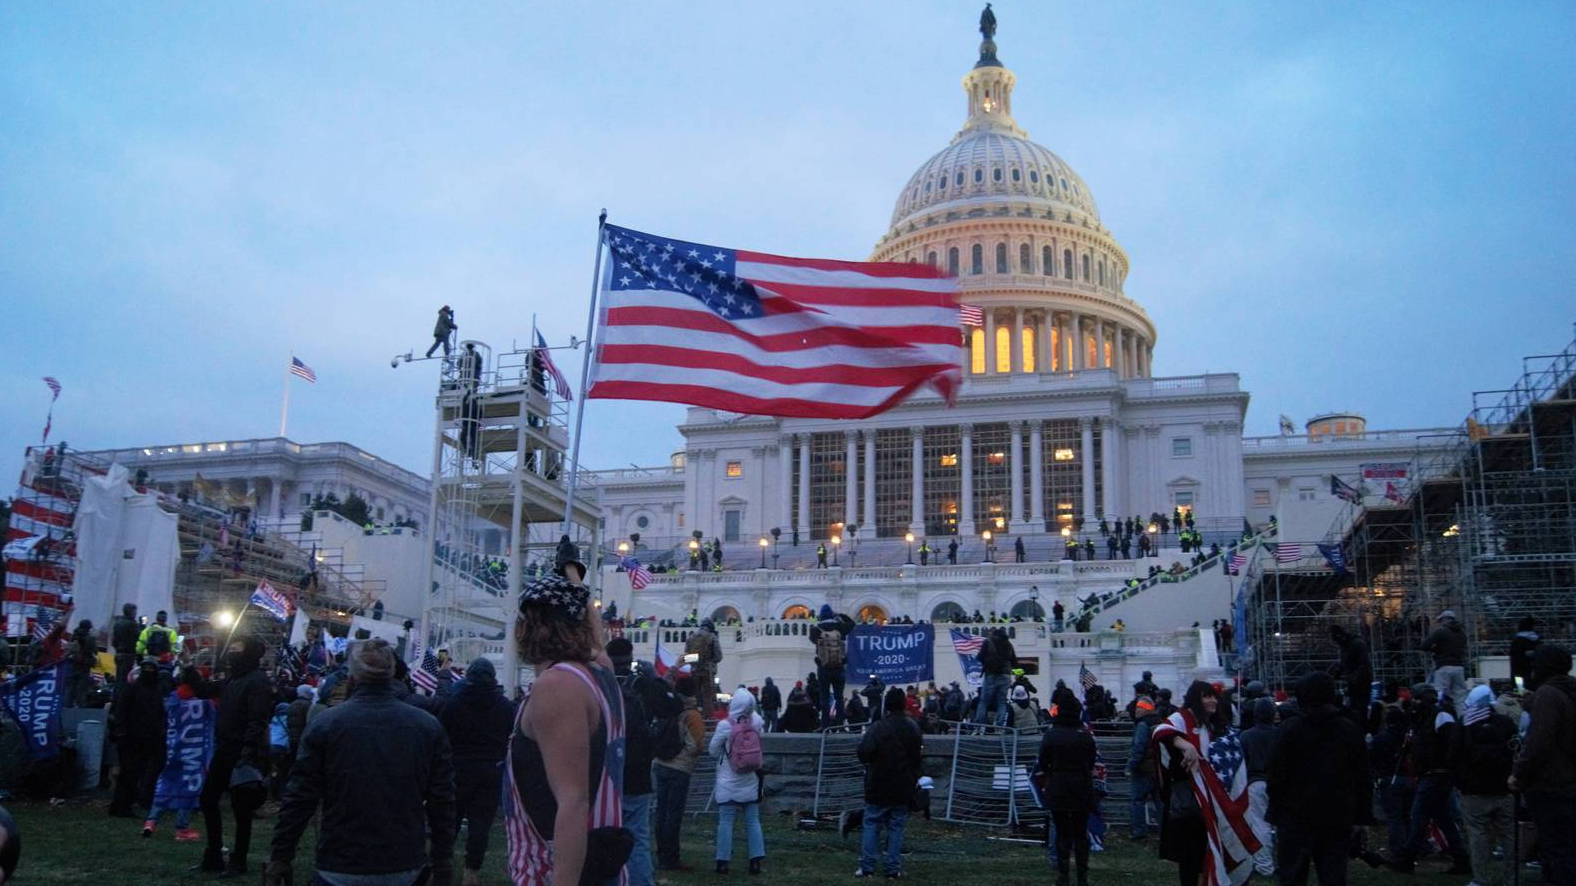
(666, 659)
(968, 647)
(639, 576)
(271, 601)
(770, 335)
(1086, 678)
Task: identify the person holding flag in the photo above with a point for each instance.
(1204, 792)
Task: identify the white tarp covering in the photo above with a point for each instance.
(127, 550)
(392, 631)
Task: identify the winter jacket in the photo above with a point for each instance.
(891, 752)
(771, 696)
(693, 730)
(1482, 756)
(1432, 739)
(1067, 757)
(1258, 749)
(246, 704)
(139, 712)
(842, 624)
(382, 772)
(1448, 643)
(735, 787)
(1318, 774)
(1548, 752)
(1521, 648)
(1023, 715)
(647, 699)
(997, 657)
(123, 635)
(146, 639)
(478, 719)
(295, 719)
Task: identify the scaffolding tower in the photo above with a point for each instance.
(499, 461)
(1486, 527)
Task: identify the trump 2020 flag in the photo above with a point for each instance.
(33, 700)
(271, 601)
(769, 335)
(188, 749)
(968, 647)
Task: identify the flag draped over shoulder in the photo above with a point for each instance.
(1220, 786)
(768, 335)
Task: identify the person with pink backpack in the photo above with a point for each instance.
(737, 746)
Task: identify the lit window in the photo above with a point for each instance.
(1064, 455)
(949, 459)
(1181, 447)
(796, 612)
(1001, 523)
(1183, 500)
(1028, 349)
(1003, 349)
(734, 469)
(1340, 427)
(997, 458)
(977, 351)
(1261, 498)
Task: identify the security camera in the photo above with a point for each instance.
(394, 363)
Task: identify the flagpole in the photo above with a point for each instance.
(585, 374)
(284, 411)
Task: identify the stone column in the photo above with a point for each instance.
(1121, 352)
(1149, 359)
(1037, 475)
(1015, 476)
(966, 462)
(1080, 350)
(1099, 343)
(785, 483)
(1111, 506)
(803, 521)
(1016, 349)
(850, 478)
(917, 522)
(1086, 458)
(273, 499)
(870, 482)
(990, 341)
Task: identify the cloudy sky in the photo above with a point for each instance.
(1356, 206)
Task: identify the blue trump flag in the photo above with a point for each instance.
(895, 653)
(188, 749)
(34, 701)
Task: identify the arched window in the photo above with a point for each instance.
(1047, 262)
(977, 351)
(1064, 184)
(959, 180)
(1102, 272)
(1086, 267)
(1067, 263)
(927, 187)
(1027, 335)
(724, 614)
(1034, 176)
(952, 261)
(977, 259)
(995, 174)
(1016, 175)
(1003, 349)
(948, 612)
(871, 612)
(1001, 259)
(941, 184)
(932, 260)
(979, 175)
(1025, 259)
(797, 611)
(1028, 610)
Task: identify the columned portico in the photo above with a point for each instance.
(917, 521)
(1086, 460)
(803, 522)
(870, 481)
(1036, 476)
(966, 512)
(850, 478)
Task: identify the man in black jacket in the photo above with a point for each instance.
(138, 729)
(646, 699)
(383, 774)
(1319, 787)
(123, 633)
(1433, 735)
(478, 720)
(1067, 759)
(1545, 769)
(246, 703)
(892, 753)
(1481, 760)
(1355, 667)
(997, 659)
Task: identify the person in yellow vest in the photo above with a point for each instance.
(820, 556)
(159, 639)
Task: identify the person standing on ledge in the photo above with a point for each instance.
(442, 330)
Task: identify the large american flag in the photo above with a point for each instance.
(43, 623)
(560, 383)
(769, 335)
(298, 368)
(1221, 789)
(967, 644)
(639, 576)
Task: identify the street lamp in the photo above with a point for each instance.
(623, 548)
(223, 618)
(694, 547)
(853, 537)
(1154, 541)
(837, 542)
(776, 534)
(989, 558)
(909, 537)
(763, 551)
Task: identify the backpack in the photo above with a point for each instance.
(670, 737)
(829, 648)
(637, 723)
(744, 746)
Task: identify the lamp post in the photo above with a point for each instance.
(837, 542)
(1034, 598)
(694, 547)
(776, 534)
(909, 537)
(763, 551)
(1154, 540)
(989, 554)
(853, 537)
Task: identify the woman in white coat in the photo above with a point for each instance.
(737, 791)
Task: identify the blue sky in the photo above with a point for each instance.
(1356, 206)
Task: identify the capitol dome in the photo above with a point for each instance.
(1022, 232)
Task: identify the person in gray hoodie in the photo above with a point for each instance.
(1448, 645)
(1258, 749)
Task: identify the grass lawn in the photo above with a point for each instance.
(79, 844)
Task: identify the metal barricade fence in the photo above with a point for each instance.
(839, 776)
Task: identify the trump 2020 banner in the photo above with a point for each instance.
(894, 653)
(188, 749)
(33, 700)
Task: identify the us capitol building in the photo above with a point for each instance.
(1061, 422)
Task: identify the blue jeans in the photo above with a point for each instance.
(1395, 797)
(993, 693)
(672, 792)
(756, 841)
(1142, 786)
(637, 818)
(1432, 803)
(892, 818)
(831, 700)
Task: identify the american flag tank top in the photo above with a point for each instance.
(530, 855)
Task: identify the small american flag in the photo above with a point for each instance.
(1288, 552)
(425, 675)
(967, 644)
(1086, 678)
(639, 576)
(560, 384)
(54, 387)
(771, 335)
(1238, 560)
(43, 623)
(301, 369)
(971, 315)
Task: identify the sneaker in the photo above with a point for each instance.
(861, 874)
(147, 828)
(187, 835)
